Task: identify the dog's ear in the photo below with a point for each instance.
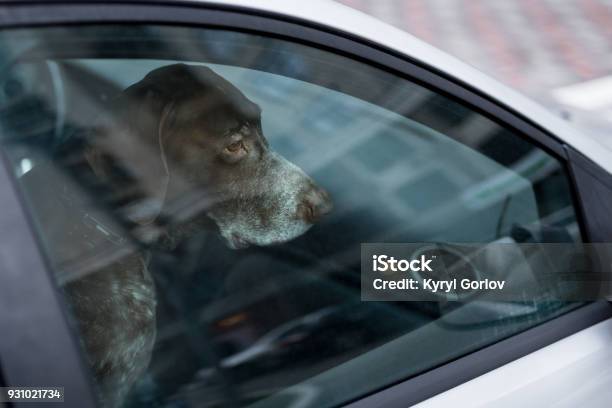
(133, 141)
(150, 113)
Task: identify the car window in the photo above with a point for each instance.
(201, 196)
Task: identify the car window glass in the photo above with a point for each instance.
(201, 196)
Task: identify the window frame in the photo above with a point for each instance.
(37, 346)
(42, 300)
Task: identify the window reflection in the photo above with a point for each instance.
(267, 324)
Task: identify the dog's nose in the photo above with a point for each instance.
(315, 204)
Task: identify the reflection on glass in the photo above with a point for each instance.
(204, 220)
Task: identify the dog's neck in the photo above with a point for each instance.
(176, 233)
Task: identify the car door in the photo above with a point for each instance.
(406, 154)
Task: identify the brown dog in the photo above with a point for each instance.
(193, 146)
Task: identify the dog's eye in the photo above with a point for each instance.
(235, 147)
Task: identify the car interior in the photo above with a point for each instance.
(268, 325)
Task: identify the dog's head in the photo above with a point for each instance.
(207, 136)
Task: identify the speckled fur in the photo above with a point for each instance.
(115, 308)
(258, 200)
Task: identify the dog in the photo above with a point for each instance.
(195, 146)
